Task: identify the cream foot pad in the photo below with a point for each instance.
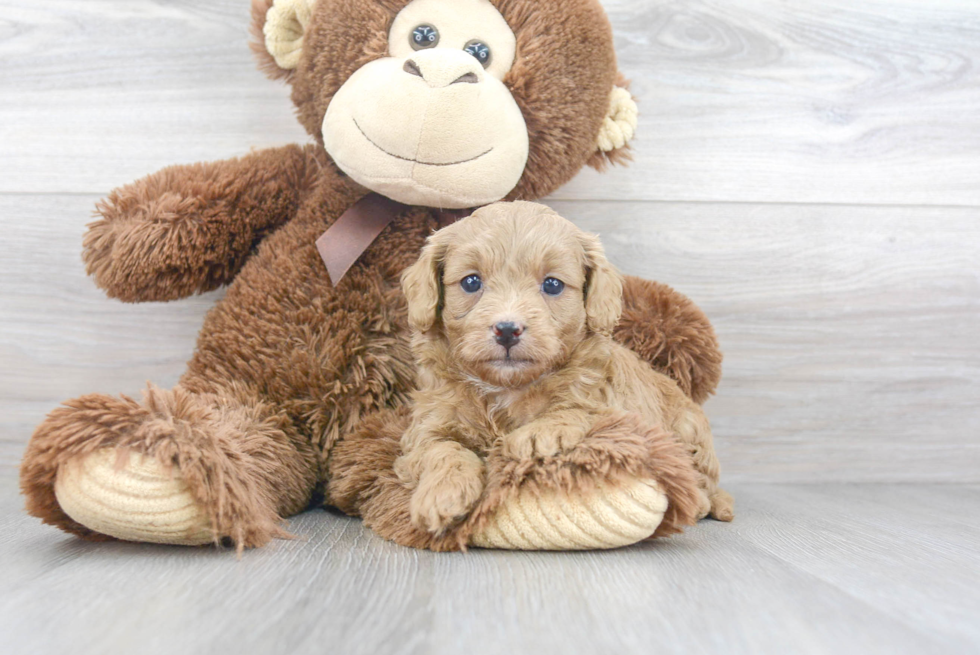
(140, 502)
(607, 517)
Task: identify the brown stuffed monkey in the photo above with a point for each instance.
(298, 384)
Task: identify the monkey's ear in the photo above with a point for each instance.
(618, 128)
(422, 283)
(278, 27)
(603, 288)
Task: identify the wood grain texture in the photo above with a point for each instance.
(850, 332)
(835, 101)
(96, 94)
(805, 569)
(831, 101)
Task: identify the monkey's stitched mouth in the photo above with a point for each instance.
(416, 161)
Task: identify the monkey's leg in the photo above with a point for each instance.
(179, 468)
(623, 483)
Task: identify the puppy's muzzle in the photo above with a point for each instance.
(507, 334)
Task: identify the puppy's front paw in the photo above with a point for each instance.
(542, 440)
(444, 497)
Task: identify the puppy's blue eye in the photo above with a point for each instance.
(552, 286)
(471, 283)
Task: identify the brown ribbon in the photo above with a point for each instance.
(353, 233)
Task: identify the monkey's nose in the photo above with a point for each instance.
(440, 67)
(507, 333)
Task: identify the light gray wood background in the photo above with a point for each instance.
(808, 172)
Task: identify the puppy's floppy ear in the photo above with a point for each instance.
(603, 288)
(422, 282)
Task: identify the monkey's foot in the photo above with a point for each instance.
(131, 497)
(604, 517)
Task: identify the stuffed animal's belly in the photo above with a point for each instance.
(327, 355)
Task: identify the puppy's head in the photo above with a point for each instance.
(511, 291)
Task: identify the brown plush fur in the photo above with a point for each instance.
(288, 364)
(538, 396)
(670, 332)
(227, 207)
(235, 454)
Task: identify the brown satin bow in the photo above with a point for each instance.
(353, 233)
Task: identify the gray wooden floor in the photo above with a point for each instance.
(806, 569)
(807, 171)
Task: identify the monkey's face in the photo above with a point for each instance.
(452, 103)
(433, 123)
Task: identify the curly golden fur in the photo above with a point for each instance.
(512, 311)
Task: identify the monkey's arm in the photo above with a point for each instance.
(188, 229)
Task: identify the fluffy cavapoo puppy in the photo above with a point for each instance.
(512, 310)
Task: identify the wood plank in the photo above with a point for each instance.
(829, 101)
(869, 102)
(719, 588)
(96, 94)
(894, 547)
(850, 332)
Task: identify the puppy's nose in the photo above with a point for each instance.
(507, 333)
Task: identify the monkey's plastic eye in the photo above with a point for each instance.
(423, 36)
(552, 286)
(480, 50)
(471, 283)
